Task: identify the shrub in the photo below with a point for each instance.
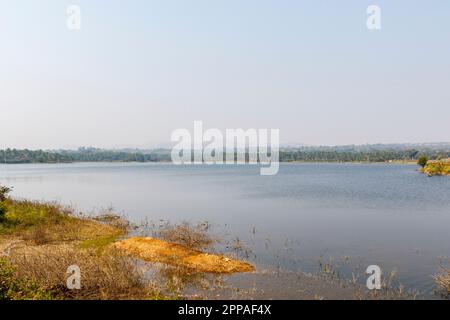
(442, 280)
(422, 161)
(38, 235)
(3, 193)
(192, 236)
(3, 211)
(14, 288)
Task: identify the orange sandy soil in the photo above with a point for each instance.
(154, 250)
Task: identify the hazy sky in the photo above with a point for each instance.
(137, 70)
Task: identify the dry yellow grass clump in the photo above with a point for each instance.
(107, 275)
(443, 282)
(155, 250)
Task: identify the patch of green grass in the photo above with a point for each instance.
(99, 243)
(44, 223)
(26, 214)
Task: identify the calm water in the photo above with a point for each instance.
(388, 215)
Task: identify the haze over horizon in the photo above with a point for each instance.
(138, 70)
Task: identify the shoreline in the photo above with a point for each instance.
(60, 235)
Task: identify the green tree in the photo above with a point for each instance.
(3, 192)
(422, 161)
(2, 211)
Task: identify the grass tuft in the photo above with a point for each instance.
(195, 237)
(442, 280)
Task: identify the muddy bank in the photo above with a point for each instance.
(155, 250)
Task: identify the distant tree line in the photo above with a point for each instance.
(366, 153)
(374, 153)
(31, 156)
(359, 156)
(80, 155)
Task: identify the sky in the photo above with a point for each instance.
(139, 69)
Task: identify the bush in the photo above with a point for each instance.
(38, 235)
(4, 192)
(3, 211)
(14, 288)
(443, 282)
(195, 237)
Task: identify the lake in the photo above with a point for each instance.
(384, 214)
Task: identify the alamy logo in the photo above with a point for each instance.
(73, 21)
(374, 280)
(236, 146)
(374, 19)
(74, 280)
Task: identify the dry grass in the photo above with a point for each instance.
(112, 219)
(39, 235)
(391, 289)
(442, 280)
(110, 275)
(195, 237)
